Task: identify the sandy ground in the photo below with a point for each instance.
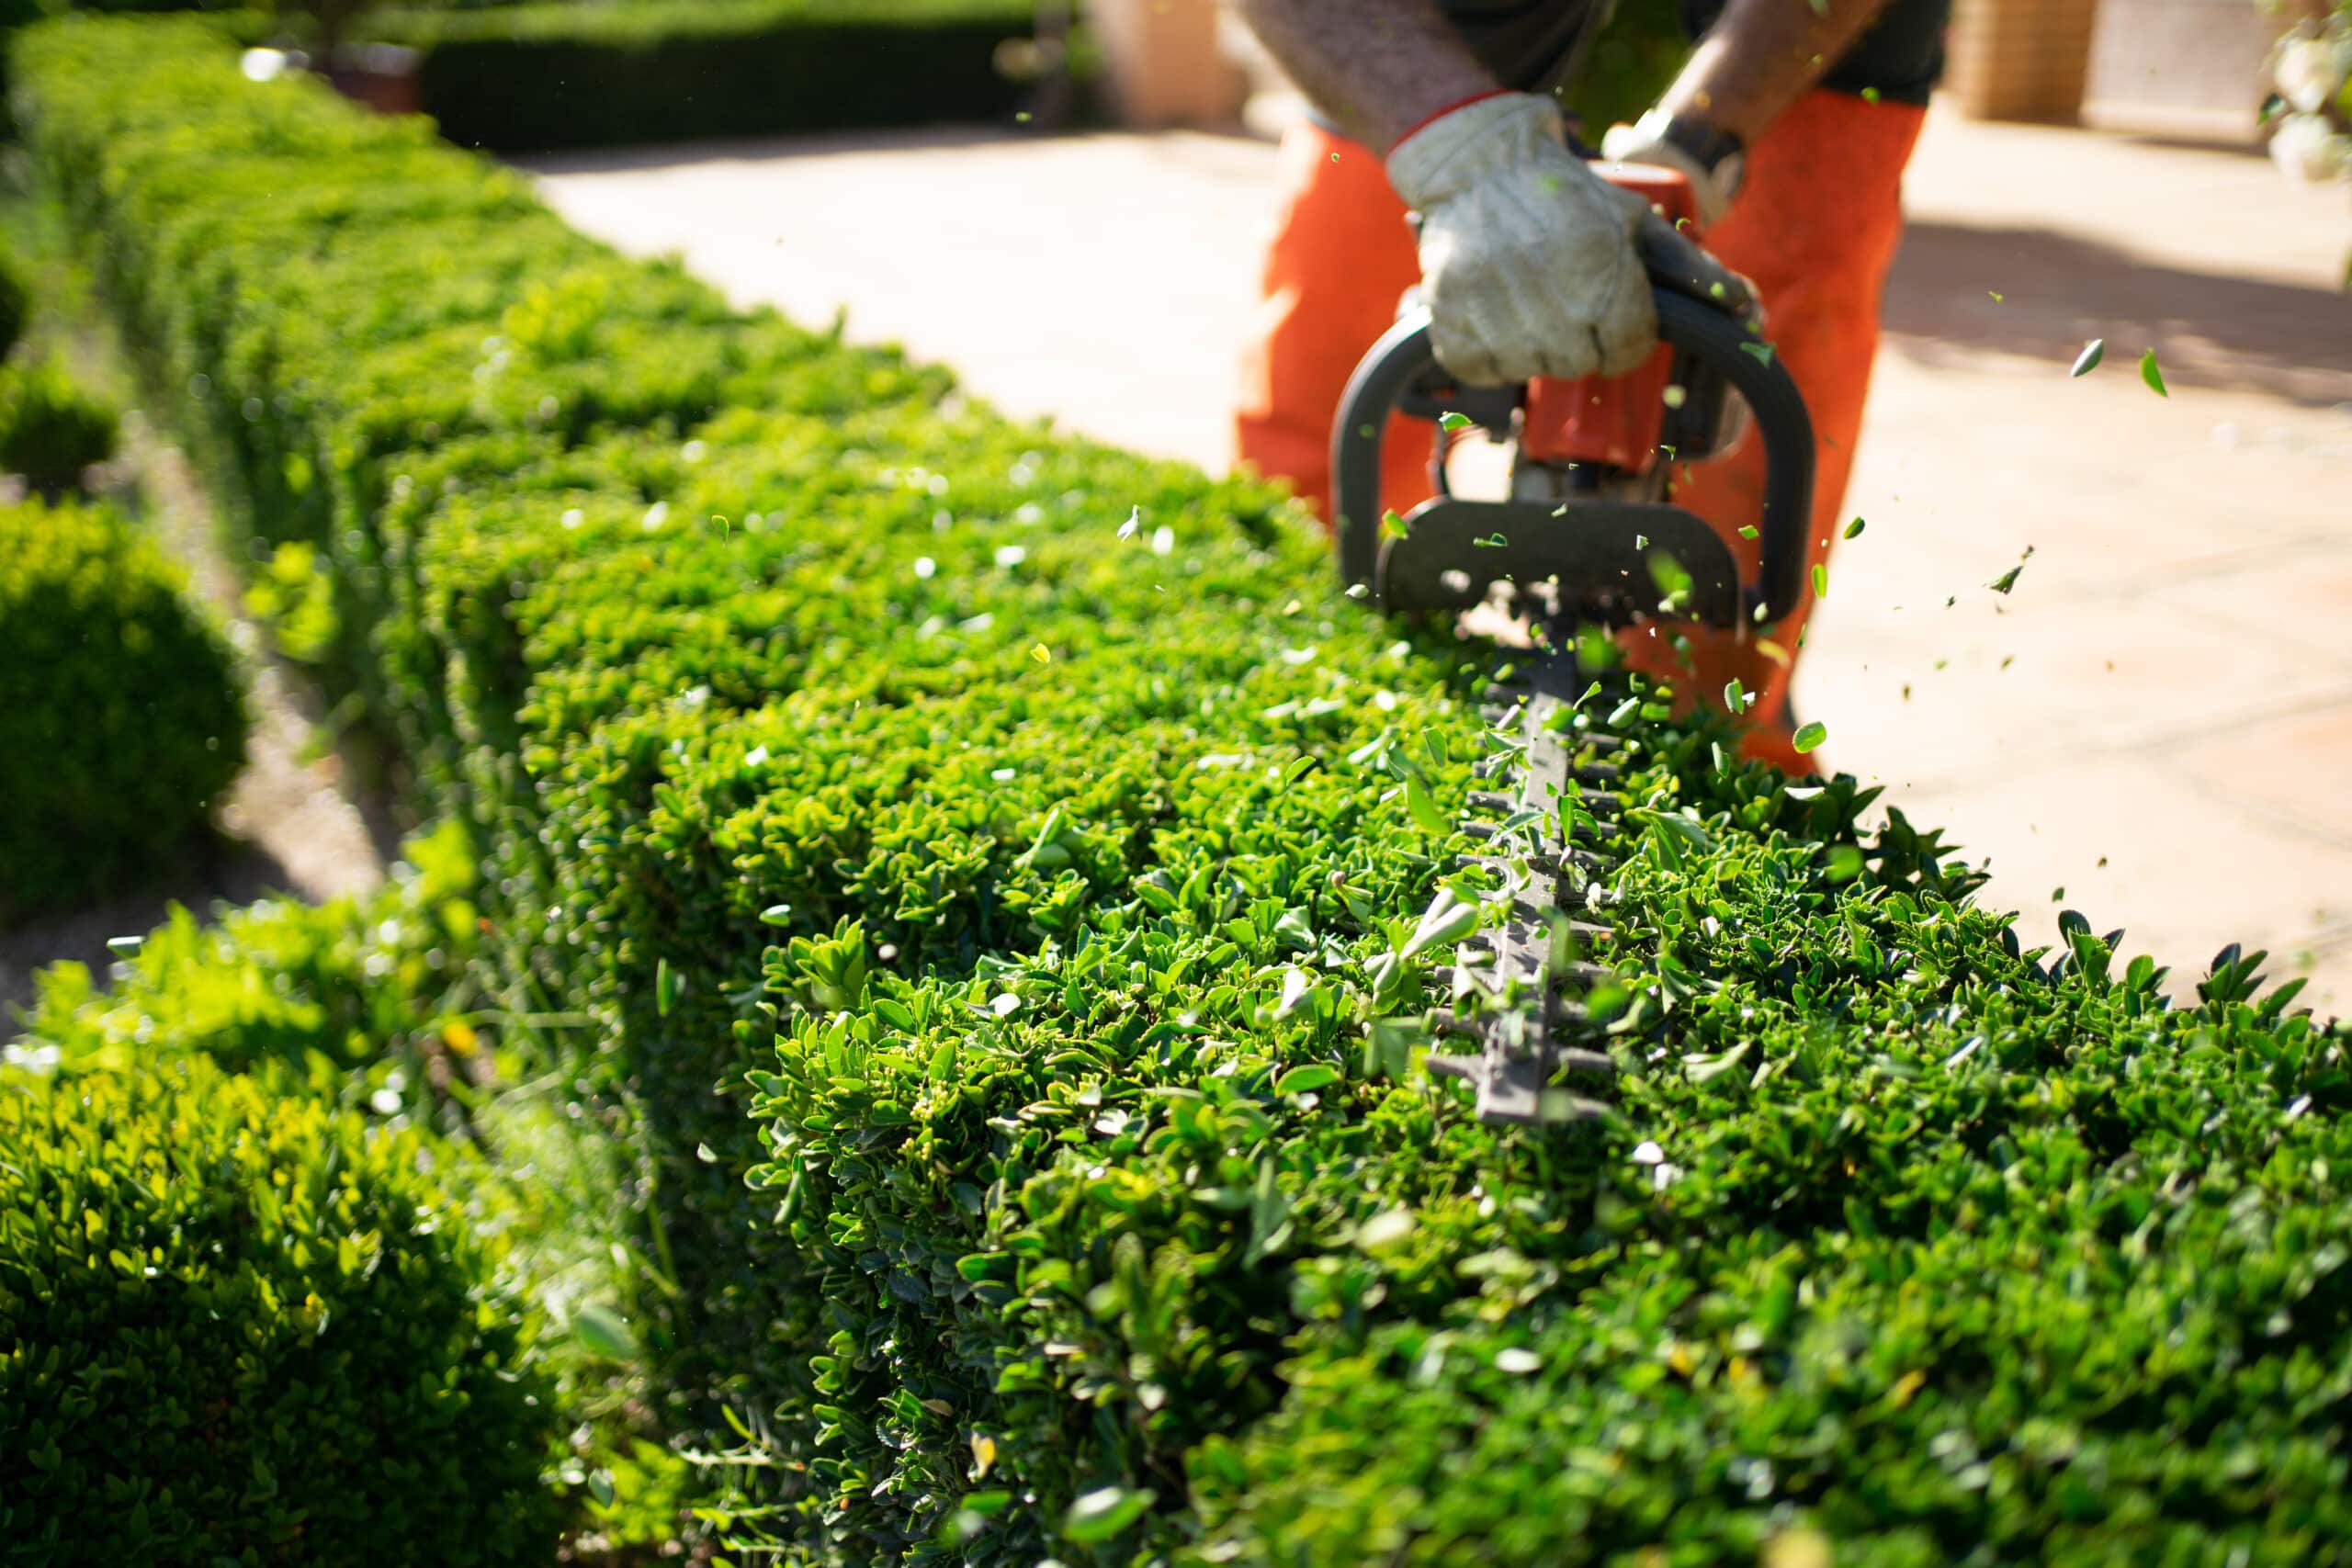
(2155, 727)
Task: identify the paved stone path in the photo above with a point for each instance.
(2158, 719)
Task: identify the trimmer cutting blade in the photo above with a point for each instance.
(1577, 542)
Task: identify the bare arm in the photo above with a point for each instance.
(1761, 56)
(1378, 67)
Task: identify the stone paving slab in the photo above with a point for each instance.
(2156, 719)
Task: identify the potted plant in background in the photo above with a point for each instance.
(381, 75)
(2310, 114)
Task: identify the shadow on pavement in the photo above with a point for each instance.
(219, 870)
(2059, 292)
(761, 148)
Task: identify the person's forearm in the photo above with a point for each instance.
(1763, 56)
(1378, 67)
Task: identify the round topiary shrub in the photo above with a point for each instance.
(240, 1327)
(16, 297)
(50, 430)
(120, 716)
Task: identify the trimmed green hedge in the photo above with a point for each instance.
(237, 1327)
(1037, 883)
(122, 715)
(538, 77)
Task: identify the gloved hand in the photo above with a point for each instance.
(1528, 263)
(1644, 143)
(1531, 264)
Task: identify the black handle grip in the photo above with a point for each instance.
(1710, 335)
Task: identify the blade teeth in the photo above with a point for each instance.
(1524, 1052)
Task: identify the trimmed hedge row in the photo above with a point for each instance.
(540, 77)
(1095, 1207)
(121, 714)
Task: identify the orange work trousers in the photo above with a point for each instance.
(1815, 228)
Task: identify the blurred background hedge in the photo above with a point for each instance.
(536, 77)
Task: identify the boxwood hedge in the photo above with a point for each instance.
(50, 429)
(121, 712)
(540, 77)
(236, 1326)
(992, 864)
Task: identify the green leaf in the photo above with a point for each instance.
(2008, 578)
(1423, 808)
(1452, 420)
(2087, 361)
(1307, 1079)
(603, 1332)
(1811, 736)
(1820, 580)
(1385, 1229)
(2151, 374)
(1844, 863)
(1447, 920)
(1101, 1515)
(1760, 352)
(666, 987)
(1854, 529)
(1749, 531)
(1702, 1069)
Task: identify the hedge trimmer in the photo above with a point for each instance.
(1590, 536)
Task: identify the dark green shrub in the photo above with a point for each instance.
(538, 77)
(1034, 884)
(121, 714)
(15, 303)
(235, 1325)
(49, 428)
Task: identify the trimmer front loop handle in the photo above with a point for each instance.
(1711, 337)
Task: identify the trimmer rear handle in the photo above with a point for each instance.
(1699, 331)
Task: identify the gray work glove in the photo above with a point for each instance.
(1531, 264)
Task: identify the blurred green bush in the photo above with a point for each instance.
(50, 430)
(238, 1327)
(540, 77)
(369, 1000)
(122, 715)
(15, 303)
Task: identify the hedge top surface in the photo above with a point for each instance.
(1098, 1206)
